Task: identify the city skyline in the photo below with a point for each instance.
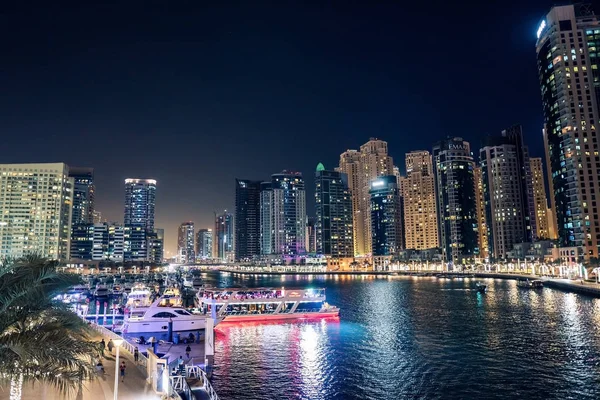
(121, 106)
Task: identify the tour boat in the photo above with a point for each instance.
(156, 318)
(140, 296)
(527, 284)
(265, 304)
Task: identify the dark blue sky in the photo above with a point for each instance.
(195, 95)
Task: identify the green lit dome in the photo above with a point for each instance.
(320, 167)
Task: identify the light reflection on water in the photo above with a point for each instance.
(415, 338)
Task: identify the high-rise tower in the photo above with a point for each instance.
(247, 219)
(453, 169)
(539, 199)
(334, 214)
(569, 74)
(185, 243)
(418, 193)
(140, 195)
(351, 166)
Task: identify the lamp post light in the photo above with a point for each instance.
(117, 343)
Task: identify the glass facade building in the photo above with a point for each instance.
(140, 199)
(386, 216)
(247, 219)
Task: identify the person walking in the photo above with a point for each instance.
(122, 368)
(188, 350)
(110, 346)
(136, 355)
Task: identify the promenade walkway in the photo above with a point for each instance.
(134, 386)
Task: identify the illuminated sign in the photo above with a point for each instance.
(456, 146)
(541, 29)
(377, 183)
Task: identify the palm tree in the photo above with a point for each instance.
(40, 339)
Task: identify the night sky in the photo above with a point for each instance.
(195, 95)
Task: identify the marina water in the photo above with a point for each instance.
(420, 337)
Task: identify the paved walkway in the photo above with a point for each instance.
(134, 386)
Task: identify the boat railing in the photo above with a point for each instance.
(130, 348)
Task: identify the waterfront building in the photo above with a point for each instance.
(350, 165)
(156, 246)
(288, 214)
(247, 219)
(552, 230)
(186, 251)
(96, 217)
(334, 214)
(266, 219)
(204, 244)
(35, 210)
(568, 68)
(83, 195)
(539, 199)
(311, 235)
(453, 169)
(482, 232)
(418, 195)
(108, 242)
(386, 216)
(140, 199)
(82, 242)
(362, 167)
(508, 191)
(223, 246)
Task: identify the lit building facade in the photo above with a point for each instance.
(453, 169)
(186, 251)
(386, 216)
(508, 192)
(350, 165)
(204, 244)
(288, 216)
(108, 242)
(539, 199)
(266, 218)
(247, 219)
(311, 235)
(418, 195)
(334, 214)
(568, 67)
(36, 203)
(140, 201)
(223, 246)
(482, 232)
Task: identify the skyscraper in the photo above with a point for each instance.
(508, 192)
(223, 246)
(482, 232)
(204, 244)
(453, 167)
(351, 166)
(362, 167)
(83, 195)
(156, 245)
(108, 242)
(266, 218)
(386, 216)
(569, 74)
(375, 162)
(288, 214)
(334, 214)
(35, 210)
(311, 235)
(140, 195)
(539, 199)
(418, 193)
(247, 219)
(185, 243)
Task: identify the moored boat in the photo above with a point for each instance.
(157, 317)
(527, 284)
(265, 304)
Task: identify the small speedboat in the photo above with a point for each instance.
(480, 287)
(527, 284)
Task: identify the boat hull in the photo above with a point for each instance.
(163, 326)
(282, 316)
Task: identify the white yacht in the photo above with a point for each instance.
(81, 290)
(139, 296)
(265, 304)
(156, 319)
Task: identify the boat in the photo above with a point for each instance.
(527, 284)
(480, 287)
(157, 317)
(188, 281)
(117, 290)
(265, 304)
(197, 282)
(101, 291)
(171, 297)
(140, 296)
(81, 290)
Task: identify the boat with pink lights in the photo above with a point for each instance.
(265, 304)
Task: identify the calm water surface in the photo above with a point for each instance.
(411, 338)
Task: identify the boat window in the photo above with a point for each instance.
(164, 315)
(182, 312)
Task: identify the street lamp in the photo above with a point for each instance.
(117, 343)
